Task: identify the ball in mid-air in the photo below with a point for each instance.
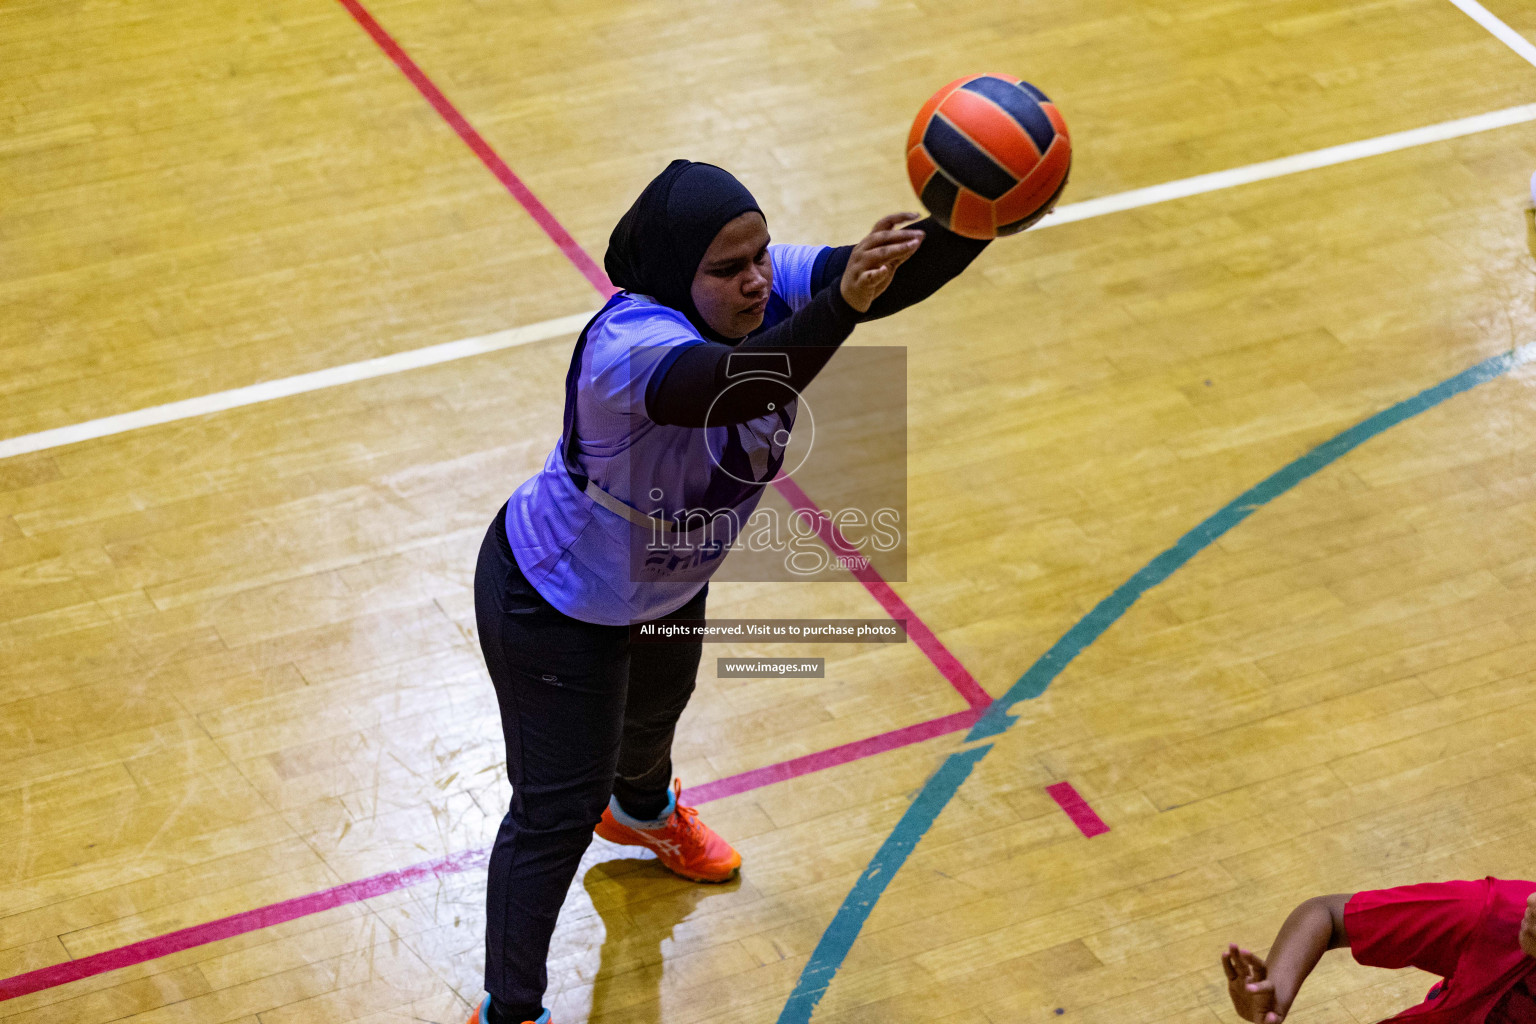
(988, 155)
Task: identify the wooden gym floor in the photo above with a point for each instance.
(237, 649)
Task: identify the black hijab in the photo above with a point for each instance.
(656, 247)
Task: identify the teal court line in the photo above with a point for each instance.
(936, 793)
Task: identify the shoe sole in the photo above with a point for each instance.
(703, 878)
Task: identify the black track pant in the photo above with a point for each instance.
(585, 714)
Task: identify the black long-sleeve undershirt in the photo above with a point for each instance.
(939, 260)
(692, 390)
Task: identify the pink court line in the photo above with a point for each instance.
(391, 881)
(1083, 816)
(823, 759)
(482, 149)
(235, 924)
(947, 664)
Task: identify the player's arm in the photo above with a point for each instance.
(939, 259)
(1262, 991)
(694, 386)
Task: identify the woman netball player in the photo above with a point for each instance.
(654, 422)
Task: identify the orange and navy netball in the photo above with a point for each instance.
(988, 155)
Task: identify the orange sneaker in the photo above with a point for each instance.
(482, 1015)
(685, 845)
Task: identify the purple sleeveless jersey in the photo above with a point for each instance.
(596, 559)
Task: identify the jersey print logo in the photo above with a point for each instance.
(680, 558)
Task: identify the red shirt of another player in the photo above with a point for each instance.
(1466, 932)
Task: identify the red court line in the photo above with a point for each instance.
(1083, 816)
(822, 759)
(894, 606)
(482, 149)
(235, 924)
(390, 881)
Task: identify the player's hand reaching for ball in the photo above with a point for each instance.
(1249, 985)
(874, 260)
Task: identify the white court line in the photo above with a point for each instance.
(1506, 35)
(449, 351)
(1291, 164)
(266, 391)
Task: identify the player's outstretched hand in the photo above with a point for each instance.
(875, 259)
(1253, 994)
